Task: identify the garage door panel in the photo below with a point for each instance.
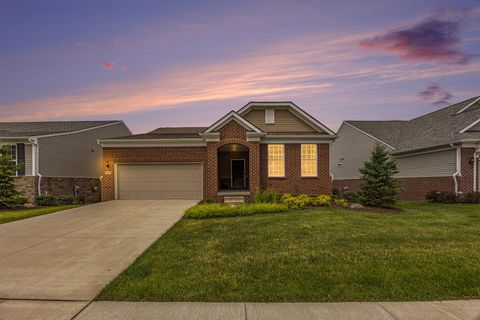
(160, 181)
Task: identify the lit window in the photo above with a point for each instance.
(309, 160)
(276, 160)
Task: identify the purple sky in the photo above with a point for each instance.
(181, 63)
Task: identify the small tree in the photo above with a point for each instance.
(380, 189)
(8, 168)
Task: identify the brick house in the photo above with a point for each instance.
(58, 157)
(437, 151)
(264, 144)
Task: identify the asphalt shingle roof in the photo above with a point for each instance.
(437, 128)
(31, 129)
(167, 133)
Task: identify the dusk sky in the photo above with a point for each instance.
(187, 63)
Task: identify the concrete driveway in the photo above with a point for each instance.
(73, 254)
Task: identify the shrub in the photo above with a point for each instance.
(352, 197)
(65, 199)
(20, 199)
(268, 195)
(322, 200)
(45, 200)
(215, 210)
(8, 168)
(341, 203)
(441, 197)
(470, 197)
(296, 202)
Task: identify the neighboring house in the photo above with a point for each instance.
(437, 151)
(264, 144)
(61, 157)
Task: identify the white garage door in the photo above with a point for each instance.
(160, 181)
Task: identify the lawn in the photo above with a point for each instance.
(19, 214)
(425, 252)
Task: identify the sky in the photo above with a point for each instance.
(188, 63)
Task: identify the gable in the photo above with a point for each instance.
(285, 121)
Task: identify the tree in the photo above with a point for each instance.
(9, 197)
(380, 188)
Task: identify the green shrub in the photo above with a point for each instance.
(45, 200)
(296, 202)
(341, 203)
(268, 195)
(469, 197)
(322, 200)
(216, 210)
(352, 197)
(19, 199)
(65, 199)
(9, 196)
(441, 197)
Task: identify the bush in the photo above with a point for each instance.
(65, 199)
(441, 197)
(341, 203)
(216, 210)
(45, 200)
(9, 197)
(268, 195)
(469, 197)
(296, 202)
(352, 197)
(322, 200)
(19, 199)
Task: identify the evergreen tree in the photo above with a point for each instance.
(9, 197)
(380, 189)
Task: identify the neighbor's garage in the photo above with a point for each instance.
(160, 181)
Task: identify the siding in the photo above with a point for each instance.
(436, 164)
(354, 147)
(71, 155)
(28, 159)
(285, 121)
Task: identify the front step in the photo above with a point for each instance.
(234, 200)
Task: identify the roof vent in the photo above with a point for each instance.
(269, 116)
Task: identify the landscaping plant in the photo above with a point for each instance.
(441, 197)
(268, 195)
(217, 210)
(322, 200)
(380, 188)
(296, 202)
(9, 197)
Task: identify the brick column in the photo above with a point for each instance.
(254, 159)
(211, 176)
(466, 180)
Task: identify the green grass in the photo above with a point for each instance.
(425, 252)
(215, 210)
(19, 214)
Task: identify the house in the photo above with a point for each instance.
(437, 151)
(264, 144)
(61, 157)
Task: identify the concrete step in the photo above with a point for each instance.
(234, 200)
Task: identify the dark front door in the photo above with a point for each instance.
(238, 173)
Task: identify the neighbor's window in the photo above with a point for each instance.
(276, 160)
(309, 160)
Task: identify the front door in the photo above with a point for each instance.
(238, 173)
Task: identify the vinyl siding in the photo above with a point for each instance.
(28, 159)
(285, 121)
(354, 147)
(71, 155)
(435, 164)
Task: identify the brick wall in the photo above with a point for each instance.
(293, 182)
(466, 180)
(81, 188)
(153, 154)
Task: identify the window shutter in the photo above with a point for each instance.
(21, 158)
(269, 116)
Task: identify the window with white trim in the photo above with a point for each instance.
(269, 116)
(11, 150)
(276, 160)
(309, 160)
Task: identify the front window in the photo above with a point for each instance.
(11, 151)
(309, 160)
(276, 160)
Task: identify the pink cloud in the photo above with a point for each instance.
(432, 39)
(434, 91)
(109, 65)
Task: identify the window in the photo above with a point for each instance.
(269, 116)
(11, 152)
(309, 160)
(276, 160)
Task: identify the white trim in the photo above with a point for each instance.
(287, 139)
(468, 105)
(316, 161)
(269, 116)
(115, 181)
(293, 107)
(367, 134)
(244, 172)
(469, 126)
(232, 115)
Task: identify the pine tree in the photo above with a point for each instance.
(380, 189)
(8, 195)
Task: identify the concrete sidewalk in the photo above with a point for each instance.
(102, 310)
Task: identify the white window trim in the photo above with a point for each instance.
(316, 161)
(268, 161)
(16, 153)
(269, 116)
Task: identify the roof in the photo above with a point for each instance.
(32, 129)
(167, 133)
(440, 127)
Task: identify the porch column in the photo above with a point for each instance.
(211, 172)
(254, 172)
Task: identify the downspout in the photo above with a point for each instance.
(34, 142)
(475, 168)
(457, 173)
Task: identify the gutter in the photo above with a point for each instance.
(34, 142)
(458, 172)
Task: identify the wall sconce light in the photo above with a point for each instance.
(471, 161)
(107, 164)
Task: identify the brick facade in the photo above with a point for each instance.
(293, 182)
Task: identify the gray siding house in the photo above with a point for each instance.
(437, 151)
(61, 157)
